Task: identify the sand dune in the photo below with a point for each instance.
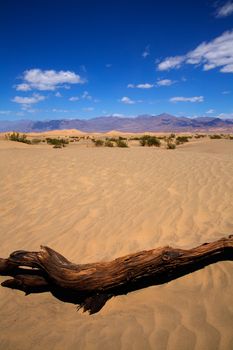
(68, 132)
(97, 204)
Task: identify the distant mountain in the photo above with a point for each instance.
(16, 125)
(142, 123)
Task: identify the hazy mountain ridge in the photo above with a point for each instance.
(141, 123)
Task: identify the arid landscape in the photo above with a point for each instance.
(116, 175)
(95, 203)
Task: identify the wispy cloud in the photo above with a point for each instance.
(225, 116)
(35, 98)
(210, 111)
(227, 92)
(23, 87)
(55, 110)
(108, 65)
(141, 86)
(58, 94)
(171, 63)
(187, 99)
(26, 102)
(165, 82)
(145, 86)
(217, 53)
(86, 96)
(146, 51)
(225, 10)
(37, 79)
(74, 98)
(160, 82)
(126, 100)
(118, 115)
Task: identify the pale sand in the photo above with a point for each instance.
(95, 204)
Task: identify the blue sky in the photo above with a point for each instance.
(88, 58)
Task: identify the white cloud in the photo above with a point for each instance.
(127, 100)
(225, 116)
(119, 115)
(144, 86)
(165, 82)
(23, 87)
(171, 62)
(160, 82)
(140, 86)
(108, 65)
(55, 110)
(35, 98)
(210, 111)
(227, 92)
(86, 96)
(26, 102)
(217, 53)
(37, 79)
(146, 51)
(58, 94)
(187, 99)
(225, 10)
(74, 98)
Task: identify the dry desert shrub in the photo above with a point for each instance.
(148, 140)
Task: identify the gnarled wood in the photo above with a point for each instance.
(91, 285)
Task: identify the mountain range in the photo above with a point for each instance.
(142, 123)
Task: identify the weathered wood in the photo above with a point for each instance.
(91, 285)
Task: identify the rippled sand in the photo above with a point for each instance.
(95, 204)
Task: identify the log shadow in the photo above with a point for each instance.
(36, 281)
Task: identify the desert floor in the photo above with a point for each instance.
(94, 204)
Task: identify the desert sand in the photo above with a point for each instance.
(96, 204)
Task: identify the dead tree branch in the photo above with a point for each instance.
(91, 285)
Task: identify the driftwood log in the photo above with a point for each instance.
(90, 286)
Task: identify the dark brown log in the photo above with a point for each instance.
(91, 285)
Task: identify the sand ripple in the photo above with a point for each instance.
(97, 204)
